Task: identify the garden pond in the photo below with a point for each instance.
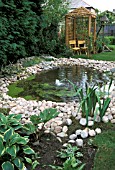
(43, 86)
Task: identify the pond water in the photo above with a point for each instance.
(43, 86)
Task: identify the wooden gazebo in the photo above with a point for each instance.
(80, 24)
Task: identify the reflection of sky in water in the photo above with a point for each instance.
(79, 75)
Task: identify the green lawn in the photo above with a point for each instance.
(108, 56)
(105, 156)
(105, 56)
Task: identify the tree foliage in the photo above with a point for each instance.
(28, 27)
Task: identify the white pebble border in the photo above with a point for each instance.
(59, 125)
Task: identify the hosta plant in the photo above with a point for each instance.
(15, 151)
(32, 128)
(8, 121)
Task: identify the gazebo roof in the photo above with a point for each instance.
(81, 12)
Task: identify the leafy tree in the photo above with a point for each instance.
(29, 27)
(19, 25)
(53, 13)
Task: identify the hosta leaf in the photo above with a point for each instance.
(35, 119)
(1, 138)
(7, 166)
(28, 160)
(28, 150)
(3, 118)
(2, 148)
(18, 117)
(17, 127)
(18, 163)
(34, 164)
(8, 134)
(11, 150)
(48, 114)
(29, 128)
(14, 138)
(22, 140)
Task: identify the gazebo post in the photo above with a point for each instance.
(89, 26)
(66, 31)
(89, 33)
(74, 27)
(94, 43)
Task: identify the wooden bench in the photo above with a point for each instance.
(82, 46)
(73, 46)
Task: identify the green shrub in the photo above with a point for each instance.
(110, 39)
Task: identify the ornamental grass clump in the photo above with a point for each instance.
(93, 101)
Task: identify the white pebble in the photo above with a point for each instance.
(73, 136)
(84, 134)
(69, 121)
(92, 132)
(78, 132)
(105, 119)
(83, 121)
(98, 130)
(79, 142)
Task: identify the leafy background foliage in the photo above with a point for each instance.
(29, 27)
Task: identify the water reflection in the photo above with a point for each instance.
(44, 83)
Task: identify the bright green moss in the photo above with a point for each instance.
(14, 90)
(31, 77)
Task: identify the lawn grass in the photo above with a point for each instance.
(105, 56)
(105, 156)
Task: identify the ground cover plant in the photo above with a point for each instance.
(15, 151)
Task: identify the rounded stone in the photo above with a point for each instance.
(74, 114)
(92, 132)
(62, 134)
(65, 129)
(84, 134)
(79, 142)
(69, 121)
(71, 141)
(113, 121)
(78, 132)
(73, 136)
(105, 119)
(98, 130)
(110, 117)
(90, 123)
(83, 122)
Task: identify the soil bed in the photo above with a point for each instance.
(48, 147)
